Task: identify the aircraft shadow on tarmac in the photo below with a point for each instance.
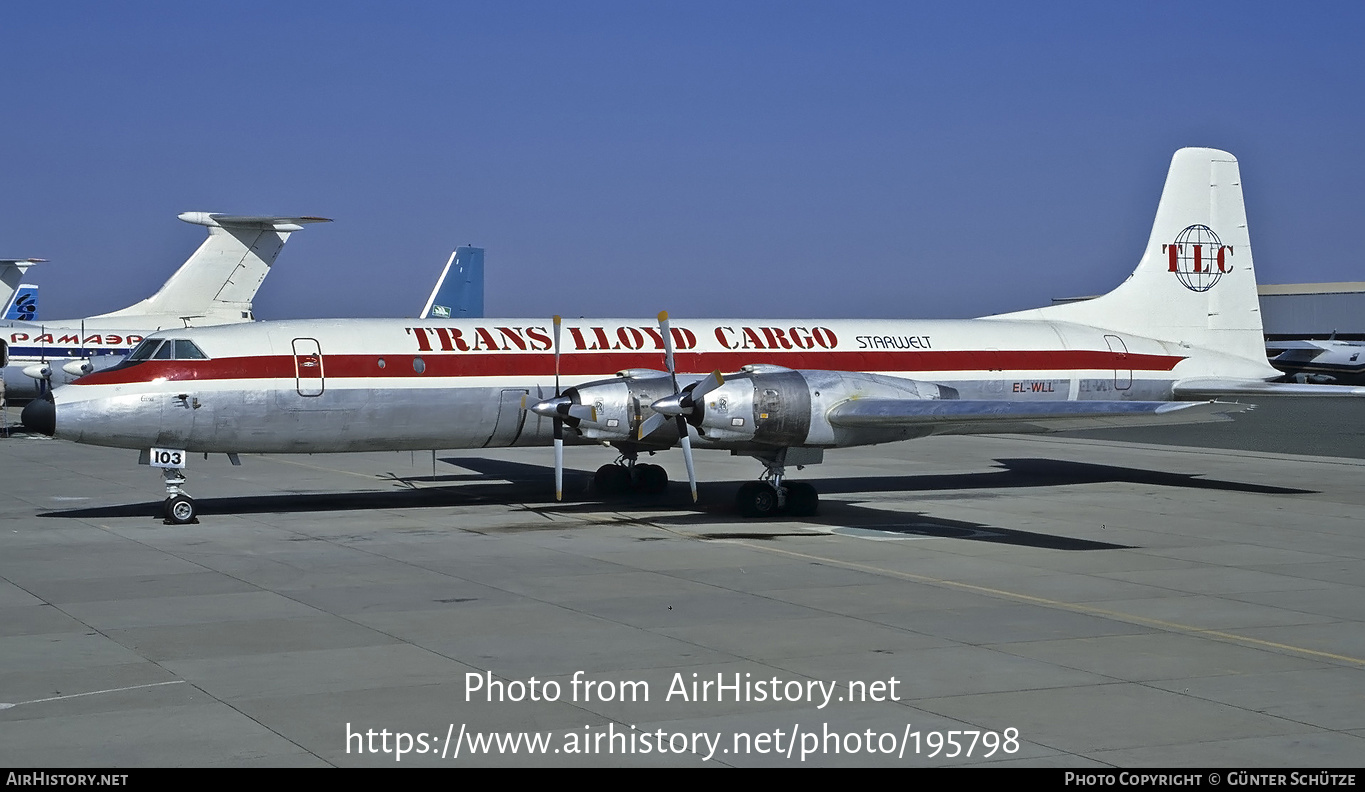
(1012, 473)
(504, 482)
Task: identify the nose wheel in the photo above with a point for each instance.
(179, 508)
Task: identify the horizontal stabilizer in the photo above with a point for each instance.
(950, 415)
(1306, 344)
(1214, 388)
(261, 222)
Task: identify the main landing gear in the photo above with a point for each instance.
(179, 508)
(625, 477)
(771, 495)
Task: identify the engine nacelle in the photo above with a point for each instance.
(621, 403)
(78, 368)
(38, 371)
(776, 406)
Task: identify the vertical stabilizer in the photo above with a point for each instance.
(217, 283)
(24, 306)
(1196, 282)
(12, 291)
(459, 290)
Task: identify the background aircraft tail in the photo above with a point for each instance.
(12, 291)
(24, 305)
(459, 290)
(1196, 283)
(217, 283)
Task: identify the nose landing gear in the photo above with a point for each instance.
(179, 508)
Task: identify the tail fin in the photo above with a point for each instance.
(12, 291)
(217, 283)
(1196, 283)
(24, 306)
(459, 290)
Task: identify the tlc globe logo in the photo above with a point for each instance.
(1198, 258)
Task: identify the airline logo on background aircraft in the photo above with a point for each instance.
(108, 339)
(25, 306)
(1198, 258)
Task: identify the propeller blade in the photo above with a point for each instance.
(557, 322)
(651, 424)
(559, 462)
(713, 380)
(687, 456)
(583, 412)
(668, 348)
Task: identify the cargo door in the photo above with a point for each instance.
(308, 375)
(1123, 375)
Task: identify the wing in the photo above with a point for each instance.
(1214, 388)
(964, 416)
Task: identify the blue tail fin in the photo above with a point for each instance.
(24, 306)
(12, 291)
(459, 290)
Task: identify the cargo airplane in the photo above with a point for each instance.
(215, 285)
(1183, 331)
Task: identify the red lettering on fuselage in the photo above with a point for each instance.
(776, 338)
(539, 339)
(423, 345)
(512, 334)
(631, 338)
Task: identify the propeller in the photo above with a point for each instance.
(41, 371)
(558, 410)
(79, 368)
(680, 405)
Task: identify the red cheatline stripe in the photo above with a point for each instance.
(467, 364)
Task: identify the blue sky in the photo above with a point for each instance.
(712, 159)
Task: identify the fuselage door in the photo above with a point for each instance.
(1123, 375)
(308, 367)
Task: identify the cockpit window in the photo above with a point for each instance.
(145, 349)
(166, 349)
(186, 350)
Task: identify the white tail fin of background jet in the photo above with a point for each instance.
(459, 290)
(217, 282)
(1196, 283)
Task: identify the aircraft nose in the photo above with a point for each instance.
(40, 415)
